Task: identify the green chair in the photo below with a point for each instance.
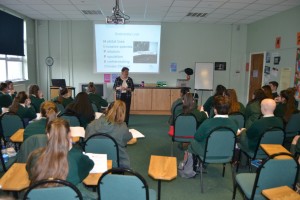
(52, 189)
(271, 173)
(60, 108)
(103, 144)
(292, 127)
(176, 109)
(10, 123)
(95, 109)
(185, 127)
(6, 165)
(239, 119)
(72, 119)
(219, 148)
(273, 135)
(125, 184)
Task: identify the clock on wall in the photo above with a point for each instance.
(49, 61)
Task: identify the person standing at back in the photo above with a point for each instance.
(274, 86)
(124, 87)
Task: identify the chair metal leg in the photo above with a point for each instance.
(223, 169)
(238, 162)
(249, 164)
(201, 176)
(172, 148)
(234, 191)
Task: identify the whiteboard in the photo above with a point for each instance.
(204, 76)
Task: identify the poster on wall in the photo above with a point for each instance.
(297, 75)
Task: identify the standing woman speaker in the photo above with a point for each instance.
(124, 87)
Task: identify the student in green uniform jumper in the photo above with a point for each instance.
(95, 98)
(221, 109)
(286, 105)
(48, 113)
(22, 107)
(36, 97)
(5, 97)
(253, 111)
(208, 105)
(249, 138)
(11, 88)
(63, 98)
(235, 105)
(59, 159)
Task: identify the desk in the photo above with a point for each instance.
(18, 137)
(54, 91)
(281, 193)
(162, 168)
(92, 178)
(272, 149)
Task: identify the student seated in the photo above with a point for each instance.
(249, 138)
(274, 86)
(235, 105)
(208, 105)
(221, 109)
(36, 97)
(95, 98)
(112, 123)
(22, 107)
(5, 97)
(82, 108)
(63, 98)
(11, 89)
(48, 113)
(59, 159)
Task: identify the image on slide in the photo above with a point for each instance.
(145, 52)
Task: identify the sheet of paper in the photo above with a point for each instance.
(136, 134)
(98, 115)
(77, 131)
(100, 162)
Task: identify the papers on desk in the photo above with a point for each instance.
(77, 131)
(136, 134)
(98, 115)
(100, 162)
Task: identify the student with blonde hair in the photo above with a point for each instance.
(48, 113)
(59, 159)
(112, 123)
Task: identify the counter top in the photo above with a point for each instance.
(167, 87)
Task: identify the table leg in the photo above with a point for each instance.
(159, 186)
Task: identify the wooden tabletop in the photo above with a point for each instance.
(272, 149)
(281, 193)
(18, 136)
(163, 167)
(92, 178)
(15, 179)
(132, 141)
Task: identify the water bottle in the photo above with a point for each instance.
(4, 152)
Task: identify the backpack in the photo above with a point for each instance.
(186, 166)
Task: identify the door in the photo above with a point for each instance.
(256, 73)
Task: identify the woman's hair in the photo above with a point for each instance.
(184, 90)
(52, 162)
(290, 103)
(82, 106)
(3, 86)
(48, 110)
(220, 89)
(222, 104)
(188, 104)
(116, 112)
(268, 92)
(259, 95)
(20, 98)
(62, 92)
(234, 103)
(34, 90)
(91, 87)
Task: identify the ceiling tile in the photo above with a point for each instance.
(185, 3)
(225, 11)
(210, 4)
(41, 7)
(64, 7)
(234, 5)
(280, 8)
(270, 2)
(257, 7)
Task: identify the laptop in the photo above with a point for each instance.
(58, 82)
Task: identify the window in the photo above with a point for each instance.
(12, 67)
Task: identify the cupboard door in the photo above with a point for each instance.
(175, 94)
(142, 99)
(161, 99)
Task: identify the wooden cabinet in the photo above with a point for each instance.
(156, 101)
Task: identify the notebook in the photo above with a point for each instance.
(58, 82)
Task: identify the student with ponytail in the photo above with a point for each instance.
(95, 98)
(64, 97)
(21, 106)
(48, 113)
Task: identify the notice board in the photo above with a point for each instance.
(204, 76)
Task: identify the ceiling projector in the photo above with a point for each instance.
(115, 20)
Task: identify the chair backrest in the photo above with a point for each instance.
(292, 127)
(275, 173)
(72, 119)
(60, 107)
(185, 127)
(95, 109)
(63, 190)
(220, 145)
(273, 135)
(10, 123)
(103, 144)
(239, 119)
(113, 185)
(29, 145)
(176, 109)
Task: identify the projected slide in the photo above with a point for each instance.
(134, 46)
